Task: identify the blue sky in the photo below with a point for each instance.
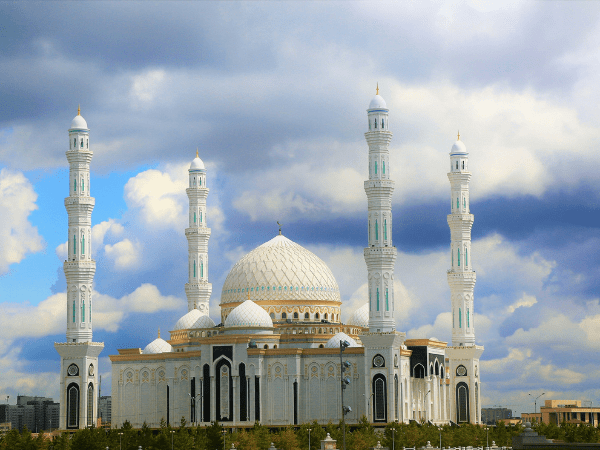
(274, 95)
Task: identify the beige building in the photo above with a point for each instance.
(568, 411)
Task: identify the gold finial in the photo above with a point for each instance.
(159, 332)
(458, 136)
(377, 92)
(78, 110)
(197, 152)
(279, 227)
(248, 293)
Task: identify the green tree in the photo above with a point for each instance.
(286, 440)
(214, 437)
(317, 434)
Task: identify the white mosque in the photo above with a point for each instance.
(275, 356)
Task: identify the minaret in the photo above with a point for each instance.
(79, 355)
(463, 355)
(197, 289)
(380, 255)
(461, 276)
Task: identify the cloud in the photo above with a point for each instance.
(526, 301)
(145, 86)
(99, 232)
(125, 254)
(18, 236)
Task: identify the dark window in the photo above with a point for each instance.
(462, 402)
(295, 403)
(257, 399)
(306, 316)
(295, 315)
(284, 315)
(73, 406)
(206, 393)
(90, 405)
(379, 399)
(243, 393)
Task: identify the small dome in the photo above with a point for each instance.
(334, 342)
(79, 123)
(360, 317)
(158, 345)
(197, 164)
(188, 320)
(377, 103)
(458, 147)
(248, 314)
(203, 322)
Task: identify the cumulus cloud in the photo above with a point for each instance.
(526, 301)
(125, 254)
(145, 86)
(99, 231)
(18, 236)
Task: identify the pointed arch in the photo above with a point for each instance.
(375, 165)
(377, 299)
(379, 398)
(83, 244)
(201, 269)
(376, 230)
(383, 167)
(459, 318)
(73, 406)
(194, 268)
(387, 303)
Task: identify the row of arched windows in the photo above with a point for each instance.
(458, 164)
(194, 181)
(466, 257)
(296, 316)
(74, 144)
(375, 124)
(460, 318)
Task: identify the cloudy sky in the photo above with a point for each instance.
(274, 96)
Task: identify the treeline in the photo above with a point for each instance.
(259, 437)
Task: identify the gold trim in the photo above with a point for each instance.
(423, 342)
(155, 356)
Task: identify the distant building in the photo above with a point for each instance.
(491, 416)
(35, 413)
(564, 411)
(104, 407)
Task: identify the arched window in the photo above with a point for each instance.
(385, 229)
(306, 316)
(73, 406)
(375, 122)
(200, 216)
(194, 268)
(87, 143)
(466, 257)
(325, 316)
(465, 202)
(457, 164)
(387, 303)
(82, 185)
(272, 316)
(200, 181)
(83, 245)
(383, 167)
(317, 316)
(74, 142)
(295, 315)
(457, 203)
(463, 165)
(379, 399)
(468, 322)
(194, 181)
(462, 402)
(194, 216)
(83, 311)
(377, 299)
(90, 405)
(376, 230)
(73, 311)
(74, 185)
(284, 315)
(201, 269)
(459, 318)
(383, 127)
(458, 254)
(81, 142)
(375, 167)
(74, 245)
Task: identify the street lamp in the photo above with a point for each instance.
(120, 434)
(535, 402)
(224, 431)
(172, 433)
(440, 430)
(345, 381)
(425, 403)
(393, 438)
(309, 430)
(193, 401)
(487, 437)
(368, 406)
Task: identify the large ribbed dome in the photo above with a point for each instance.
(280, 270)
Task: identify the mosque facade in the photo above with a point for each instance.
(274, 358)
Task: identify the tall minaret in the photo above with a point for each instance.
(461, 276)
(197, 289)
(463, 355)
(380, 255)
(79, 355)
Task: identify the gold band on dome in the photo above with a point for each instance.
(275, 302)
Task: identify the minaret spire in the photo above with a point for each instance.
(79, 355)
(380, 254)
(464, 354)
(197, 289)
